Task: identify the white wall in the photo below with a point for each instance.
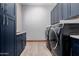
(35, 20)
(18, 18)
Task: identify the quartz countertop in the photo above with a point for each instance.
(75, 36)
(17, 33)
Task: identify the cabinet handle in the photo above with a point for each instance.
(3, 19)
(7, 21)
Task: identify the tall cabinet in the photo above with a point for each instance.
(7, 30)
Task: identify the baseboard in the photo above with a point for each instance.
(36, 40)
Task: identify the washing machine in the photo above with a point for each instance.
(59, 43)
(47, 36)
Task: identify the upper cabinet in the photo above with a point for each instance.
(74, 9)
(52, 18)
(64, 11)
(60, 16)
(1, 7)
(10, 9)
(54, 15)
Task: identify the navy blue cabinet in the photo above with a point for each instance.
(21, 43)
(74, 9)
(1, 7)
(2, 34)
(52, 17)
(66, 10)
(60, 12)
(55, 15)
(10, 9)
(7, 31)
(10, 34)
(74, 47)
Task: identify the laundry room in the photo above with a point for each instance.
(39, 29)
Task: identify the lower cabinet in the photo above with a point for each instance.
(75, 47)
(21, 43)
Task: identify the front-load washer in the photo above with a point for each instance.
(54, 39)
(47, 36)
(59, 42)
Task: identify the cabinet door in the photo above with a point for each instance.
(52, 18)
(74, 9)
(64, 10)
(10, 35)
(10, 9)
(68, 10)
(60, 11)
(56, 14)
(18, 47)
(23, 41)
(2, 24)
(19, 44)
(74, 47)
(1, 7)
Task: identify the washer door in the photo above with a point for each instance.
(54, 41)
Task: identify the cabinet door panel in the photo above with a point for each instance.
(1, 36)
(75, 47)
(19, 44)
(52, 17)
(56, 15)
(18, 47)
(60, 11)
(10, 35)
(68, 10)
(64, 9)
(1, 7)
(74, 9)
(10, 9)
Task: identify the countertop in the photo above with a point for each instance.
(75, 36)
(18, 33)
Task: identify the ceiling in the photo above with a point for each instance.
(49, 6)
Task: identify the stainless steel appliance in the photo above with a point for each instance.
(54, 39)
(59, 38)
(47, 36)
